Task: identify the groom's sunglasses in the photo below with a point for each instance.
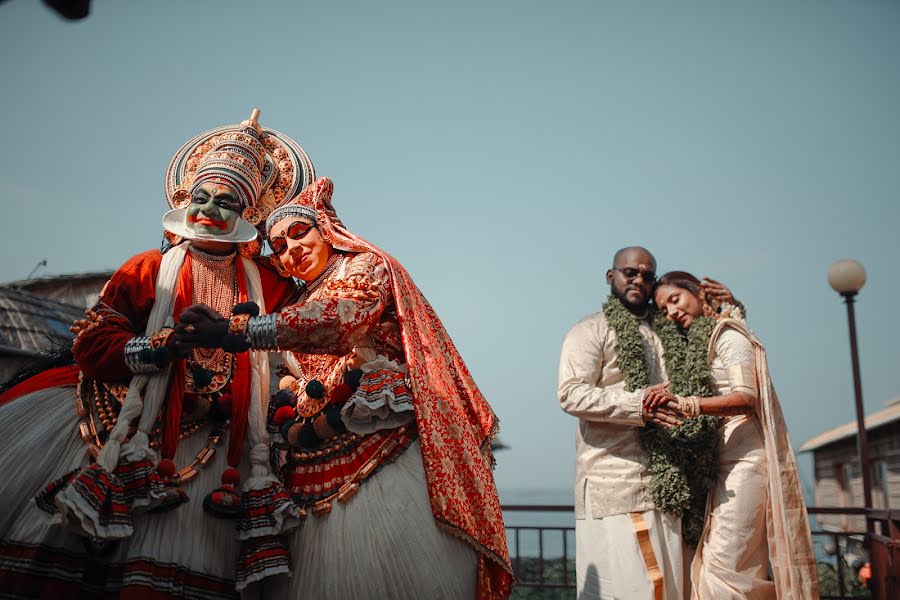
(631, 274)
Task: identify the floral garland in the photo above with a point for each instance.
(682, 459)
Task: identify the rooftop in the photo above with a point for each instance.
(887, 415)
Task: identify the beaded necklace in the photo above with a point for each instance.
(213, 278)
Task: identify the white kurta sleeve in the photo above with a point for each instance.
(580, 372)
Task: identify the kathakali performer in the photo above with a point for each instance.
(383, 434)
(126, 449)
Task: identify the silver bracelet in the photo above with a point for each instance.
(262, 331)
(133, 348)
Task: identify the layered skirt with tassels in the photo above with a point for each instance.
(181, 553)
(382, 543)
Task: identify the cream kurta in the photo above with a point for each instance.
(610, 465)
(611, 471)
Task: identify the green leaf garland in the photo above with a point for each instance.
(682, 460)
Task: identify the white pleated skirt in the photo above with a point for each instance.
(383, 543)
(185, 552)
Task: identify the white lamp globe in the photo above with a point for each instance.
(846, 276)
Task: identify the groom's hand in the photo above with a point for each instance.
(717, 291)
(663, 416)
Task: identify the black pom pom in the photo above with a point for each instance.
(285, 426)
(235, 343)
(202, 377)
(161, 356)
(308, 437)
(145, 356)
(352, 377)
(283, 398)
(333, 418)
(315, 389)
(246, 308)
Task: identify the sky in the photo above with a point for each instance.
(502, 150)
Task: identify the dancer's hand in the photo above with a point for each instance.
(199, 326)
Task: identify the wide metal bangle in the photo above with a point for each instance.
(262, 332)
(133, 348)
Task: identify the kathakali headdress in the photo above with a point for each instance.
(264, 167)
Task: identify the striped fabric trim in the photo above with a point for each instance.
(35, 571)
(266, 512)
(262, 557)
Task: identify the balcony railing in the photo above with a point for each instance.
(542, 548)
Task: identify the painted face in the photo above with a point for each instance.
(679, 304)
(300, 247)
(632, 277)
(214, 209)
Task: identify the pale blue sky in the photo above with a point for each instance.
(503, 151)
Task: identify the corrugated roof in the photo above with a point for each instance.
(24, 284)
(31, 324)
(882, 417)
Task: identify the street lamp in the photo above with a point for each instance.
(847, 277)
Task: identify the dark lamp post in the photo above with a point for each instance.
(847, 277)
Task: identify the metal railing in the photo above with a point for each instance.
(543, 556)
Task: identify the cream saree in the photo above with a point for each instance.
(757, 461)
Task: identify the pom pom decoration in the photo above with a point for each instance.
(246, 308)
(353, 377)
(231, 476)
(284, 414)
(166, 468)
(333, 416)
(224, 404)
(284, 397)
(286, 427)
(287, 382)
(308, 437)
(235, 343)
(202, 377)
(340, 394)
(293, 434)
(224, 502)
(315, 389)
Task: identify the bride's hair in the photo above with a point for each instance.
(686, 281)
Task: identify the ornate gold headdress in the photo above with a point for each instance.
(264, 166)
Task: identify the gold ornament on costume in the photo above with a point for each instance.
(252, 215)
(181, 198)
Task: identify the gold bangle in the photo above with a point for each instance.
(238, 324)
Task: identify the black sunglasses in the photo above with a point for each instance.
(630, 273)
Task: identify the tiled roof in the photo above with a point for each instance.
(31, 324)
(882, 417)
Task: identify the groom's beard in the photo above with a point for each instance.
(639, 309)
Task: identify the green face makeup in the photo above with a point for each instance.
(214, 210)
